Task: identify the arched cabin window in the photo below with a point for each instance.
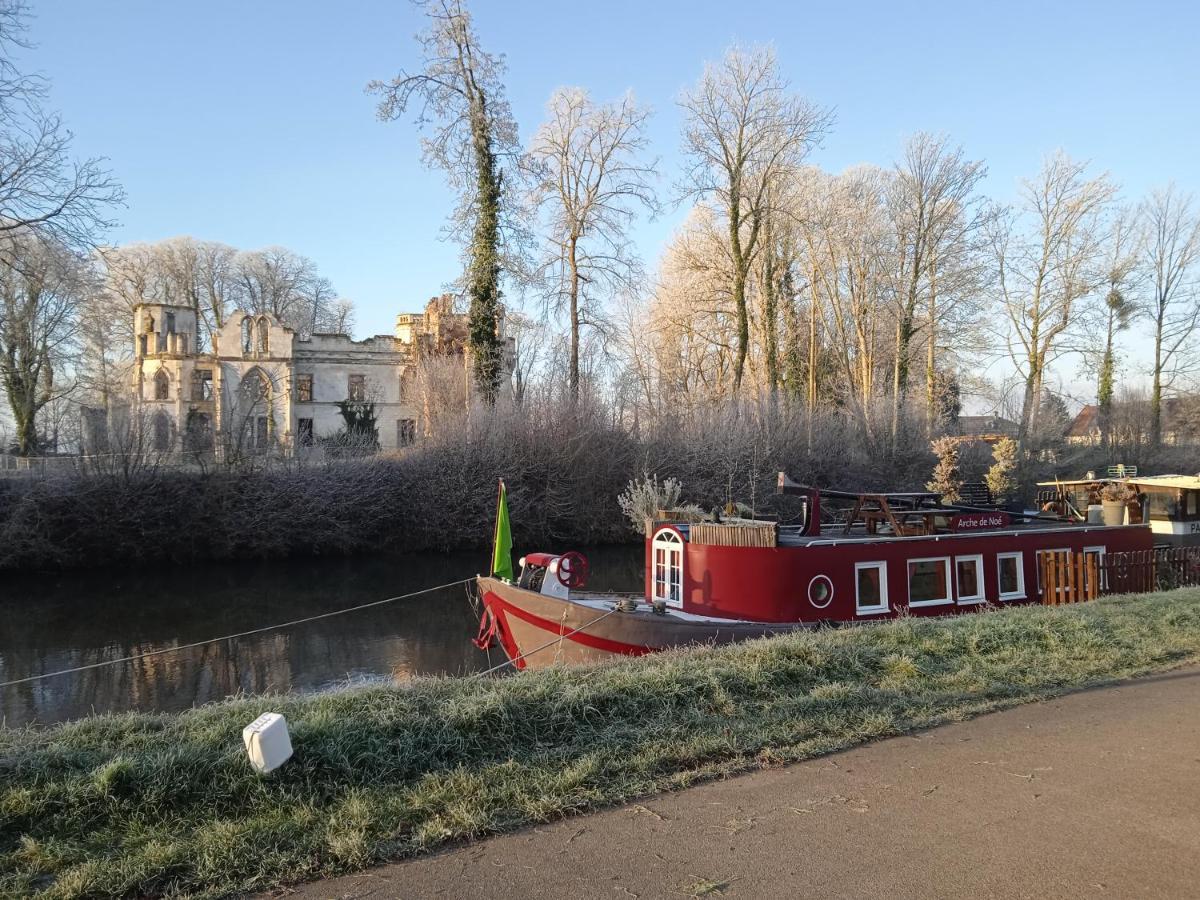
(668, 567)
(162, 386)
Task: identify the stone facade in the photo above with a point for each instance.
(262, 387)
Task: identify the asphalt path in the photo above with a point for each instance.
(1095, 794)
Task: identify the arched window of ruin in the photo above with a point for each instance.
(247, 335)
(255, 389)
(263, 343)
(162, 386)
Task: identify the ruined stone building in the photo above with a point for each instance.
(263, 387)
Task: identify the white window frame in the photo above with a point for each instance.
(1037, 557)
(938, 601)
(880, 607)
(1100, 550)
(669, 541)
(980, 597)
(1019, 593)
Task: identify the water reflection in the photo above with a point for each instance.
(53, 622)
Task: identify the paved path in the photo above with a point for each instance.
(1093, 795)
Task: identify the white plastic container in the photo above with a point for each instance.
(268, 743)
(1095, 514)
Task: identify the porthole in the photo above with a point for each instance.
(820, 591)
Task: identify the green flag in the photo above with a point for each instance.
(502, 546)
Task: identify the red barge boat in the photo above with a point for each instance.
(717, 582)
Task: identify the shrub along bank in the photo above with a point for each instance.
(564, 474)
(151, 805)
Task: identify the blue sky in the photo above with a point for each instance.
(246, 122)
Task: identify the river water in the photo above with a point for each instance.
(51, 622)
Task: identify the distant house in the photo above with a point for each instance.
(989, 429)
(1085, 427)
(1131, 422)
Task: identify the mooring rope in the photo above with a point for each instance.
(230, 637)
(528, 653)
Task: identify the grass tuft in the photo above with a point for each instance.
(168, 805)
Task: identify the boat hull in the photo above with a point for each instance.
(537, 631)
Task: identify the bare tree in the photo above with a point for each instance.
(743, 129)
(460, 88)
(589, 179)
(934, 211)
(1124, 244)
(1047, 268)
(1172, 253)
(42, 188)
(288, 286)
(38, 325)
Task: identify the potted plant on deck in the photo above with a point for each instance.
(1115, 497)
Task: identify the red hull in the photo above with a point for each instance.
(777, 584)
(536, 630)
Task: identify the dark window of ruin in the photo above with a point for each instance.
(304, 388)
(202, 385)
(247, 336)
(199, 435)
(406, 432)
(162, 433)
(304, 432)
(263, 345)
(170, 323)
(356, 389)
(162, 386)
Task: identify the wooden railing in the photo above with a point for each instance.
(1160, 569)
(1069, 577)
(1077, 577)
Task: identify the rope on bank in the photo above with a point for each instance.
(557, 640)
(230, 637)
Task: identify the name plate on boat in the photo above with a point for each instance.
(979, 521)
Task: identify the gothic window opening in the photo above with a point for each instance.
(199, 435)
(247, 336)
(263, 343)
(162, 433)
(304, 432)
(406, 432)
(202, 384)
(162, 386)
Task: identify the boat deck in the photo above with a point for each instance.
(833, 534)
(607, 602)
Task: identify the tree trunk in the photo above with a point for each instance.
(574, 364)
(931, 361)
(770, 313)
(484, 276)
(1156, 389)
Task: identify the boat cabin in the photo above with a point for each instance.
(1169, 503)
(859, 557)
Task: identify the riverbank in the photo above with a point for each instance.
(154, 804)
(1084, 796)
